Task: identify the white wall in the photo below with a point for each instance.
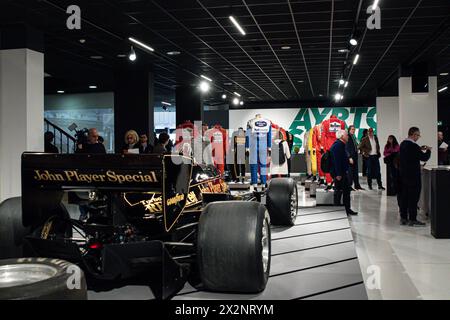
(388, 123)
(21, 113)
(282, 117)
(420, 110)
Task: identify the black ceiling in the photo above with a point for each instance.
(253, 65)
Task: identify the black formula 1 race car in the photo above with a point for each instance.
(154, 219)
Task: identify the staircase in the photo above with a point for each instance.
(63, 140)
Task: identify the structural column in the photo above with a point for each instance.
(21, 103)
(133, 103)
(189, 104)
(420, 110)
(388, 123)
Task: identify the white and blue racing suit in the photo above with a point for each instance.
(258, 141)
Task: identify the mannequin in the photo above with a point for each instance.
(317, 143)
(219, 143)
(329, 129)
(312, 153)
(307, 154)
(258, 144)
(239, 155)
(185, 133)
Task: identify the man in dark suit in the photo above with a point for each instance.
(410, 176)
(370, 148)
(339, 171)
(144, 145)
(352, 150)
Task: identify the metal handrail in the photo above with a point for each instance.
(68, 143)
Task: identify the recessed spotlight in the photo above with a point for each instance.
(443, 89)
(132, 56)
(235, 101)
(82, 40)
(353, 42)
(337, 96)
(224, 96)
(237, 94)
(97, 57)
(341, 81)
(166, 103)
(285, 48)
(320, 95)
(121, 55)
(60, 91)
(300, 81)
(173, 53)
(444, 74)
(355, 61)
(93, 87)
(204, 86)
(206, 78)
(241, 103)
(346, 84)
(343, 50)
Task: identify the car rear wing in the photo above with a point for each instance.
(46, 176)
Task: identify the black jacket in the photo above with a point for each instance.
(50, 148)
(410, 156)
(159, 149)
(92, 148)
(352, 147)
(339, 160)
(147, 149)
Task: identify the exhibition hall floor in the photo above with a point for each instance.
(413, 264)
(314, 259)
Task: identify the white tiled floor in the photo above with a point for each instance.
(413, 264)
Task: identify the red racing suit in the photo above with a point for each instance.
(329, 129)
(219, 143)
(185, 133)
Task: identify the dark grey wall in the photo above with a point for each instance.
(213, 117)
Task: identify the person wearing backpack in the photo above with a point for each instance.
(280, 155)
(339, 171)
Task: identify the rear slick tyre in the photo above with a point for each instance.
(282, 201)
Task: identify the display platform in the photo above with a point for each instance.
(239, 186)
(308, 183)
(324, 197)
(314, 259)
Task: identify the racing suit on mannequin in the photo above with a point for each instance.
(276, 129)
(329, 129)
(185, 133)
(258, 143)
(219, 143)
(312, 153)
(239, 155)
(307, 154)
(317, 144)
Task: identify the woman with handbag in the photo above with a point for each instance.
(391, 153)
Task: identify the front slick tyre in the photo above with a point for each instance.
(234, 247)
